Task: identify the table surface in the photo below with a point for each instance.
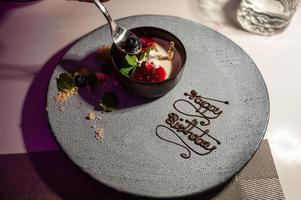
(34, 35)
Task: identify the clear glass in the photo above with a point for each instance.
(266, 17)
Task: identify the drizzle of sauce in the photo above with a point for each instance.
(194, 95)
(174, 122)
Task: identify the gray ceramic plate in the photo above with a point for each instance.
(145, 154)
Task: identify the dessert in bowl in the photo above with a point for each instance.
(156, 69)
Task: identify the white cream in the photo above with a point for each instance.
(160, 52)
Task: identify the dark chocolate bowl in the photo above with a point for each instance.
(151, 89)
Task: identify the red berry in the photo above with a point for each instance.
(101, 76)
(137, 76)
(149, 67)
(148, 73)
(146, 42)
(160, 74)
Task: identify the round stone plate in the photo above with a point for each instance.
(179, 144)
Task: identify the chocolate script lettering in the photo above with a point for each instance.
(201, 113)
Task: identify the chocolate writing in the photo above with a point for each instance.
(202, 113)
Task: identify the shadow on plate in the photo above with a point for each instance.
(99, 65)
(55, 169)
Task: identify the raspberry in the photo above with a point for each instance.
(160, 74)
(137, 75)
(146, 42)
(148, 67)
(101, 76)
(148, 73)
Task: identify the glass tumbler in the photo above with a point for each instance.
(266, 17)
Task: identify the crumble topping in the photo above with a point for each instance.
(70, 83)
(91, 116)
(99, 133)
(63, 95)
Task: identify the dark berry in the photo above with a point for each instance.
(80, 80)
(131, 44)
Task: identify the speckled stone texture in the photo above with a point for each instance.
(132, 158)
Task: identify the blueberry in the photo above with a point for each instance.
(80, 80)
(131, 44)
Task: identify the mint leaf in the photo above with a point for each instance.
(126, 70)
(65, 82)
(131, 59)
(130, 63)
(109, 102)
(142, 55)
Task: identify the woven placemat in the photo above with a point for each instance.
(51, 175)
(257, 180)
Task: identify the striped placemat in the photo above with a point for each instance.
(51, 175)
(258, 179)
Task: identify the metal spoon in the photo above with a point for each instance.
(124, 39)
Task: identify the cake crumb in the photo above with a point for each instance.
(97, 117)
(93, 126)
(90, 116)
(62, 108)
(99, 133)
(63, 95)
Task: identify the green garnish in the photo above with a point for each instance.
(142, 55)
(109, 102)
(145, 53)
(130, 62)
(131, 59)
(65, 82)
(126, 71)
